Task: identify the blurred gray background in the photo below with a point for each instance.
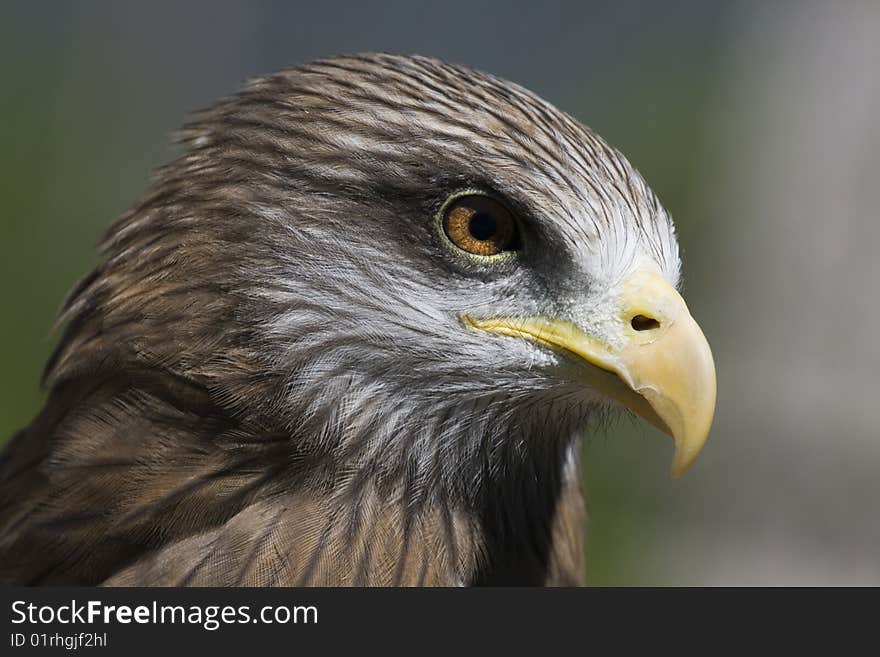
(758, 124)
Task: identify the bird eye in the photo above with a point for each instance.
(479, 225)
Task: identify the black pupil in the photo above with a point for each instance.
(482, 226)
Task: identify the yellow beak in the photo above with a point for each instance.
(654, 359)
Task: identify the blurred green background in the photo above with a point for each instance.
(756, 123)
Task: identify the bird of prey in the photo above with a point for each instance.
(353, 335)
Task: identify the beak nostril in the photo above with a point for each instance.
(644, 323)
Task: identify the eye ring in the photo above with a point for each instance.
(479, 225)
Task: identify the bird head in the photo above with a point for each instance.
(408, 262)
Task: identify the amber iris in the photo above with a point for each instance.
(479, 225)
